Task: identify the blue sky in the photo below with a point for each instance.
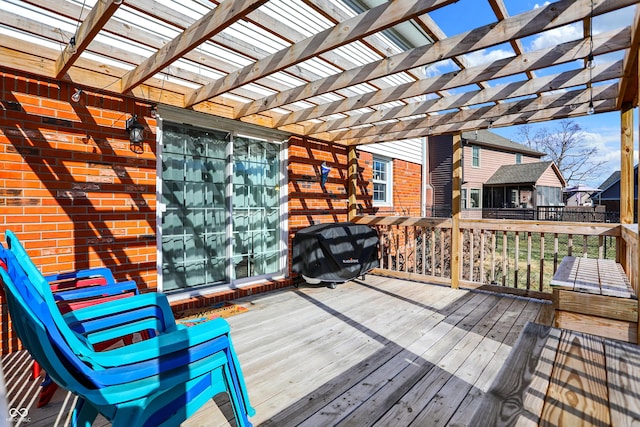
(600, 130)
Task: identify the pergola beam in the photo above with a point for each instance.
(519, 118)
(525, 24)
(215, 21)
(559, 54)
(92, 25)
(502, 92)
(629, 82)
(488, 113)
(369, 22)
(500, 10)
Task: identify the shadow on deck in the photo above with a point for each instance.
(381, 352)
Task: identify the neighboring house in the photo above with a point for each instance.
(579, 195)
(497, 173)
(609, 195)
(524, 186)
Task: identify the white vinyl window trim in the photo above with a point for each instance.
(382, 169)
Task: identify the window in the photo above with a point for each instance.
(549, 196)
(382, 173)
(475, 156)
(518, 158)
(463, 198)
(474, 199)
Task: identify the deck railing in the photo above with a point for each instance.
(512, 254)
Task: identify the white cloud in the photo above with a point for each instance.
(556, 36)
(483, 56)
(537, 6)
(438, 68)
(613, 20)
(607, 141)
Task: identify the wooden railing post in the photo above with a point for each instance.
(456, 239)
(626, 177)
(352, 186)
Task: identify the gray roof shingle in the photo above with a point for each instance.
(490, 139)
(525, 173)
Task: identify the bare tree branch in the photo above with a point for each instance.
(567, 147)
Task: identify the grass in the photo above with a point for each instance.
(549, 254)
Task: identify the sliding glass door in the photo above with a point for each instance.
(218, 228)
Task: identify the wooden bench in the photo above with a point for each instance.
(595, 296)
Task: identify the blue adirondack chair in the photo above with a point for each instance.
(160, 381)
(76, 289)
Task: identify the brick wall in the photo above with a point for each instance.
(70, 187)
(78, 197)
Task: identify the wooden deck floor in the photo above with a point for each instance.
(382, 352)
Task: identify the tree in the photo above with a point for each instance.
(566, 146)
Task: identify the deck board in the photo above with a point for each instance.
(360, 354)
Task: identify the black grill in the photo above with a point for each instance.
(335, 253)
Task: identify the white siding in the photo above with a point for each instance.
(409, 150)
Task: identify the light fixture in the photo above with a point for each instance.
(154, 112)
(76, 95)
(136, 134)
(591, 110)
(72, 45)
(490, 124)
(591, 63)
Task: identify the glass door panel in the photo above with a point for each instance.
(193, 226)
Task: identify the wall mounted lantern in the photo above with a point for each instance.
(136, 134)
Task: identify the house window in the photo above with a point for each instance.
(474, 198)
(463, 198)
(382, 174)
(475, 156)
(518, 158)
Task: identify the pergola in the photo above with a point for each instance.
(349, 72)
(319, 68)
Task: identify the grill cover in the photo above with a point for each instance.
(335, 252)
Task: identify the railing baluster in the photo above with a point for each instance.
(391, 244)
(541, 283)
(570, 245)
(528, 260)
(516, 268)
(424, 250)
(493, 256)
(406, 249)
(584, 246)
(471, 254)
(555, 253)
(441, 253)
(505, 261)
(433, 251)
(600, 247)
(482, 244)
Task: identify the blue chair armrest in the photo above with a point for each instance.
(82, 274)
(165, 344)
(97, 291)
(153, 306)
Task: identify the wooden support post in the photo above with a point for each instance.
(626, 165)
(456, 240)
(352, 187)
(626, 177)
